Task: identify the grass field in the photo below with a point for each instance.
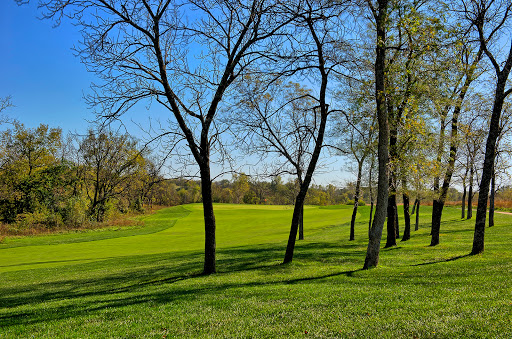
(145, 281)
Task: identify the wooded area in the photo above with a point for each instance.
(414, 93)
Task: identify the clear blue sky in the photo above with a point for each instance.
(40, 72)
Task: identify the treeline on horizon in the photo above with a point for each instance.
(53, 182)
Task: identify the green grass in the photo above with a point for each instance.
(146, 282)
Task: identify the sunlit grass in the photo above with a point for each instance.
(149, 284)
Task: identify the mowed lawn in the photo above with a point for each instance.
(145, 281)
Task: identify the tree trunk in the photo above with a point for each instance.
(371, 198)
(391, 221)
(372, 253)
(299, 201)
(356, 200)
(470, 194)
(463, 209)
(437, 211)
(437, 208)
(209, 220)
(416, 227)
(371, 216)
(490, 152)
(438, 205)
(301, 223)
(491, 198)
(407, 217)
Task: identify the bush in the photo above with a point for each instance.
(360, 202)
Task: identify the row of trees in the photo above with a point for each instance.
(47, 179)
(286, 80)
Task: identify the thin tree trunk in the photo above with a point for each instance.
(392, 222)
(407, 216)
(464, 194)
(353, 220)
(301, 223)
(416, 227)
(371, 198)
(372, 252)
(323, 107)
(371, 216)
(437, 210)
(356, 200)
(414, 206)
(491, 198)
(470, 194)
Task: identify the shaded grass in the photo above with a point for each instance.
(417, 291)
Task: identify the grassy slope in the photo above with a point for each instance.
(146, 284)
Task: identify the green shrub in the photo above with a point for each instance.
(360, 202)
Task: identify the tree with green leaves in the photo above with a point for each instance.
(110, 161)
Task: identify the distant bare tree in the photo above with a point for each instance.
(5, 103)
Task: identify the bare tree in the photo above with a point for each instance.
(5, 103)
(357, 129)
(291, 120)
(279, 120)
(184, 55)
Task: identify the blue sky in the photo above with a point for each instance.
(40, 72)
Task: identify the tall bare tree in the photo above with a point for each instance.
(183, 55)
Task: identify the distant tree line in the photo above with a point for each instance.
(52, 181)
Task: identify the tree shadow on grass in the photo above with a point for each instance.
(443, 260)
(135, 280)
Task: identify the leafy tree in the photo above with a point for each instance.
(29, 164)
(110, 161)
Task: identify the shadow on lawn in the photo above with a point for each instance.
(444, 260)
(136, 280)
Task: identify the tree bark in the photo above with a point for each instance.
(372, 253)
